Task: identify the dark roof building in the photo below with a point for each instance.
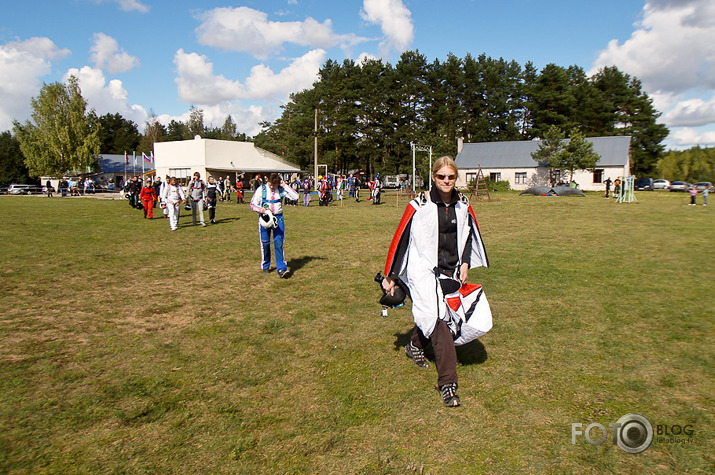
(512, 161)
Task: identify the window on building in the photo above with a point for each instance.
(179, 172)
(471, 177)
(495, 176)
(556, 176)
(598, 176)
(520, 178)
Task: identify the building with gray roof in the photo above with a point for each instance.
(512, 161)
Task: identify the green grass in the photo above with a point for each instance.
(128, 348)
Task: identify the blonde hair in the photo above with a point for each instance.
(445, 161)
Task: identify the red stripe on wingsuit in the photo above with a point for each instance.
(471, 211)
(398, 235)
(454, 303)
(467, 289)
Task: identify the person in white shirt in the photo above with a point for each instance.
(269, 197)
(173, 196)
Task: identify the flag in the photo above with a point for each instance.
(152, 155)
(126, 158)
(146, 158)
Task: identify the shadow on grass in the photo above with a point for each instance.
(472, 353)
(227, 220)
(299, 263)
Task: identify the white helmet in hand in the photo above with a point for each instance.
(267, 220)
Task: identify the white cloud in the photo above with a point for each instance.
(394, 20)
(248, 30)
(198, 85)
(23, 63)
(128, 5)
(218, 96)
(691, 113)
(106, 98)
(669, 51)
(247, 120)
(365, 57)
(106, 55)
(263, 83)
(672, 52)
(688, 137)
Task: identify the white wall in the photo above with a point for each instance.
(540, 176)
(184, 154)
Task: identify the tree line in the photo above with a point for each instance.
(692, 165)
(65, 137)
(370, 113)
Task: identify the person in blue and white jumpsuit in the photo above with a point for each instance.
(269, 196)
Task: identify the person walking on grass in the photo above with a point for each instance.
(240, 185)
(157, 189)
(608, 187)
(212, 194)
(227, 189)
(340, 187)
(173, 196)
(706, 191)
(148, 197)
(693, 195)
(306, 192)
(197, 195)
(436, 243)
(266, 202)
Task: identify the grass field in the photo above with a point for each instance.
(127, 348)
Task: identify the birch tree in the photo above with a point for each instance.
(63, 137)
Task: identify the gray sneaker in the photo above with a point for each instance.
(417, 355)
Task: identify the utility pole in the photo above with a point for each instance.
(315, 151)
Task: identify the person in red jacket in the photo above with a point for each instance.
(148, 197)
(239, 190)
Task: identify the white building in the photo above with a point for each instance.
(217, 158)
(512, 161)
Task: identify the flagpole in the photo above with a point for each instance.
(143, 160)
(125, 166)
(134, 164)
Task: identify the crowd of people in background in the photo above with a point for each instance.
(72, 187)
(198, 195)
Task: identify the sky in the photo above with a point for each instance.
(244, 58)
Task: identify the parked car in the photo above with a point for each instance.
(16, 189)
(679, 186)
(661, 184)
(644, 184)
(703, 185)
(392, 181)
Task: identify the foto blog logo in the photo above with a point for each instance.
(632, 433)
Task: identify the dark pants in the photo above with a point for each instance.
(212, 209)
(444, 351)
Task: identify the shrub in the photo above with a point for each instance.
(501, 185)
